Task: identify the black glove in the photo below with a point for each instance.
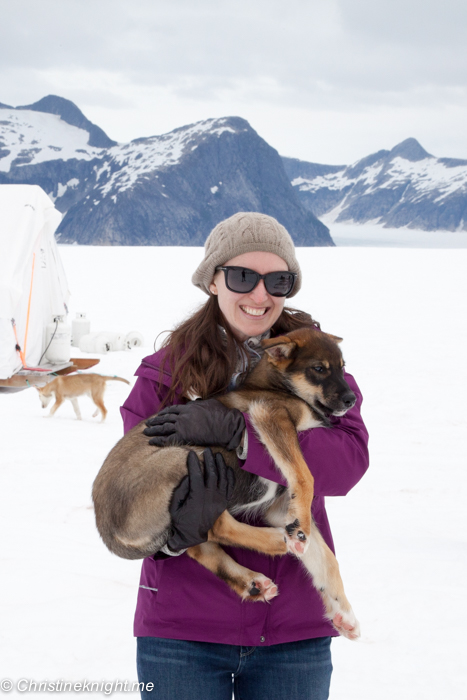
(197, 423)
(198, 501)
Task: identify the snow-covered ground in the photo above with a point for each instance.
(67, 604)
(374, 235)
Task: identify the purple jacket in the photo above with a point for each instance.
(180, 599)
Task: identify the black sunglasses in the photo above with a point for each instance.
(243, 280)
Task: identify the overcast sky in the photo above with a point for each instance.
(328, 81)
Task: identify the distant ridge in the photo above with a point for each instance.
(406, 186)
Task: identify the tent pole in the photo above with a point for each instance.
(23, 353)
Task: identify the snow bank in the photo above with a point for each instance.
(375, 235)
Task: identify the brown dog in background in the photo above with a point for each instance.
(297, 385)
(71, 386)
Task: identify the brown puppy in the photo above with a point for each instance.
(71, 386)
(296, 386)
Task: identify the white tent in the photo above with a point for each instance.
(33, 286)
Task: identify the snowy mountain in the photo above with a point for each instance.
(163, 190)
(403, 187)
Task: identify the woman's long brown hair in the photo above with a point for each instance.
(202, 357)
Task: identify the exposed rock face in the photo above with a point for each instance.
(403, 187)
(304, 177)
(164, 190)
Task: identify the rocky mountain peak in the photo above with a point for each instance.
(71, 114)
(409, 149)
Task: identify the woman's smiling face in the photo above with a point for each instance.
(256, 312)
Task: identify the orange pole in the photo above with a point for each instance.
(23, 354)
(18, 346)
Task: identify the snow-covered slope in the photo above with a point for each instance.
(163, 190)
(403, 187)
(28, 137)
(126, 164)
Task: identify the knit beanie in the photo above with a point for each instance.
(245, 232)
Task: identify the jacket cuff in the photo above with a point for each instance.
(242, 452)
(166, 550)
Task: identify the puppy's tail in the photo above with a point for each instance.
(115, 379)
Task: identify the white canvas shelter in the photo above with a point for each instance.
(33, 286)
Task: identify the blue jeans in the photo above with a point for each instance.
(183, 670)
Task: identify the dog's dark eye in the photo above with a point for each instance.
(318, 368)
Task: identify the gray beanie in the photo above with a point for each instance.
(245, 232)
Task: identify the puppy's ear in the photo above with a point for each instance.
(335, 338)
(279, 349)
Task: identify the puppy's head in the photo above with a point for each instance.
(45, 398)
(311, 366)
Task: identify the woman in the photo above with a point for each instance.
(195, 636)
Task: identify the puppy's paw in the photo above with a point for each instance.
(347, 625)
(297, 546)
(296, 540)
(261, 589)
